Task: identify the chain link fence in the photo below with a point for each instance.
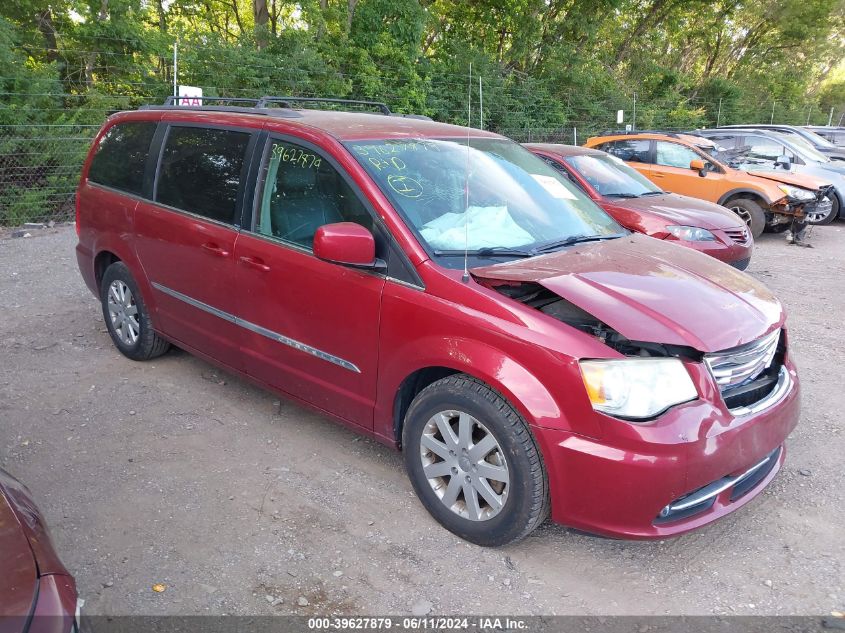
(39, 170)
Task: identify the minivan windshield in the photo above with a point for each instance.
(489, 196)
(611, 177)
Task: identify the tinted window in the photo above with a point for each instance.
(633, 150)
(121, 156)
(674, 155)
(201, 170)
(304, 192)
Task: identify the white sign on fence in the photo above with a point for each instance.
(193, 93)
(620, 116)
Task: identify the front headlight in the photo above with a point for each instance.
(691, 233)
(797, 193)
(636, 388)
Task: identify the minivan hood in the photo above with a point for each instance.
(651, 291)
(681, 210)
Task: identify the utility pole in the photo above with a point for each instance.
(719, 113)
(634, 116)
(830, 118)
(175, 68)
(772, 120)
(480, 105)
(809, 111)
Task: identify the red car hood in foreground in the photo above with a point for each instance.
(19, 574)
(681, 210)
(651, 291)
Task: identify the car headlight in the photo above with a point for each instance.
(636, 388)
(797, 193)
(691, 233)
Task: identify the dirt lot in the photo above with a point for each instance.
(173, 472)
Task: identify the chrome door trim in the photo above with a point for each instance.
(275, 336)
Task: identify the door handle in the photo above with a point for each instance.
(215, 249)
(254, 262)
(656, 175)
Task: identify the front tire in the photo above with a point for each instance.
(126, 316)
(474, 463)
(820, 220)
(751, 213)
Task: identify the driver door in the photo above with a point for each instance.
(311, 326)
(671, 172)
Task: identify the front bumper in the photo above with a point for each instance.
(618, 486)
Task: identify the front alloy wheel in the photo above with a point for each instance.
(474, 463)
(465, 466)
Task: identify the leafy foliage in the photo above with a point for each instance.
(546, 66)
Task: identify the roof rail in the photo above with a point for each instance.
(263, 102)
(663, 132)
(264, 105)
(173, 100)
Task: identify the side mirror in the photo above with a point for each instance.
(783, 162)
(700, 166)
(347, 244)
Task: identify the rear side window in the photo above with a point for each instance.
(121, 156)
(200, 171)
(636, 151)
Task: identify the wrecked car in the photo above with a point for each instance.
(693, 166)
(446, 292)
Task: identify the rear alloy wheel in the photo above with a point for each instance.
(473, 462)
(751, 213)
(830, 216)
(126, 316)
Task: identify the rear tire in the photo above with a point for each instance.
(126, 316)
(474, 463)
(749, 212)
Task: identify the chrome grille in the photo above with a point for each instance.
(739, 235)
(739, 365)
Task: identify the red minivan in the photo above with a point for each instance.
(639, 205)
(446, 292)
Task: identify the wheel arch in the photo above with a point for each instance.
(501, 373)
(412, 384)
(102, 261)
(742, 192)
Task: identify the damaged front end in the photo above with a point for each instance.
(801, 203)
(540, 298)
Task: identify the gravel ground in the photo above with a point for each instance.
(174, 472)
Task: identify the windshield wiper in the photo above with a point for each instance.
(622, 195)
(653, 193)
(487, 251)
(570, 241)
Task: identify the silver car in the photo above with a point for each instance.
(809, 136)
(756, 150)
